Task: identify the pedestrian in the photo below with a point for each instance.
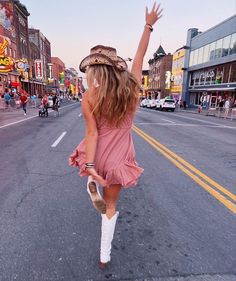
(7, 98)
(200, 108)
(45, 103)
(33, 100)
(55, 105)
(106, 155)
(24, 100)
(227, 106)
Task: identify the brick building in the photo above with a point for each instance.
(159, 74)
(58, 73)
(14, 39)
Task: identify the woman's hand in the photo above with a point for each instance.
(92, 172)
(154, 15)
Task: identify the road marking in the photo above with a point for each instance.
(190, 118)
(185, 124)
(196, 119)
(27, 118)
(199, 177)
(168, 121)
(80, 115)
(58, 140)
(16, 122)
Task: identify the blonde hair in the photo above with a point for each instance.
(117, 94)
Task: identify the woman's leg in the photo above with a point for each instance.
(111, 196)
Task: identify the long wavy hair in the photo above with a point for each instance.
(117, 94)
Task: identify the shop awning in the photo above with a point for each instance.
(15, 84)
(222, 89)
(225, 89)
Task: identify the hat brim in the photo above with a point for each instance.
(100, 59)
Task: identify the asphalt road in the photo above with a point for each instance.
(172, 226)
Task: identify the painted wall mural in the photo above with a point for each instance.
(6, 17)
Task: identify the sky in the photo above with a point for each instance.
(74, 26)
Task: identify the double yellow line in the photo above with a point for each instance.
(218, 191)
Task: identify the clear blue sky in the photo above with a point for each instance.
(74, 26)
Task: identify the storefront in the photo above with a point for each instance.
(177, 74)
(213, 85)
(210, 62)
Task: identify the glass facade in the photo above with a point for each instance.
(223, 47)
(225, 73)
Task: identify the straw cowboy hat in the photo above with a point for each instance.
(103, 55)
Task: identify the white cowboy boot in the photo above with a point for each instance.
(108, 229)
(93, 191)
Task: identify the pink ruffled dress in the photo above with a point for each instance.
(115, 154)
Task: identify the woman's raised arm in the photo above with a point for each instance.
(151, 19)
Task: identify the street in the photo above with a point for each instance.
(178, 223)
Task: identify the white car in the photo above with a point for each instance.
(166, 104)
(144, 103)
(153, 103)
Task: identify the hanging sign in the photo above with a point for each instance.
(38, 66)
(6, 63)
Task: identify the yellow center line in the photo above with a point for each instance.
(176, 160)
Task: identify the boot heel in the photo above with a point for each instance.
(103, 265)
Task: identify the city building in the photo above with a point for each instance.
(42, 64)
(144, 85)
(177, 73)
(14, 45)
(72, 81)
(58, 73)
(210, 63)
(159, 74)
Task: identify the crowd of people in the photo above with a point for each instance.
(12, 99)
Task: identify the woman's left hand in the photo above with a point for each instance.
(92, 172)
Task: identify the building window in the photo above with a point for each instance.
(232, 78)
(233, 44)
(205, 53)
(200, 56)
(191, 59)
(195, 56)
(218, 51)
(212, 50)
(226, 46)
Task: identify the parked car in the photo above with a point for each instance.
(153, 103)
(143, 103)
(148, 103)
(166, 104)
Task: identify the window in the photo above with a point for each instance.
(200, 55)
(233, 44)
(205, 53)
(212, 50)
(218, 51)
(195, 57)
(191, 58)
(226, 45)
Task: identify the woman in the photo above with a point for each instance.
(107, 154)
